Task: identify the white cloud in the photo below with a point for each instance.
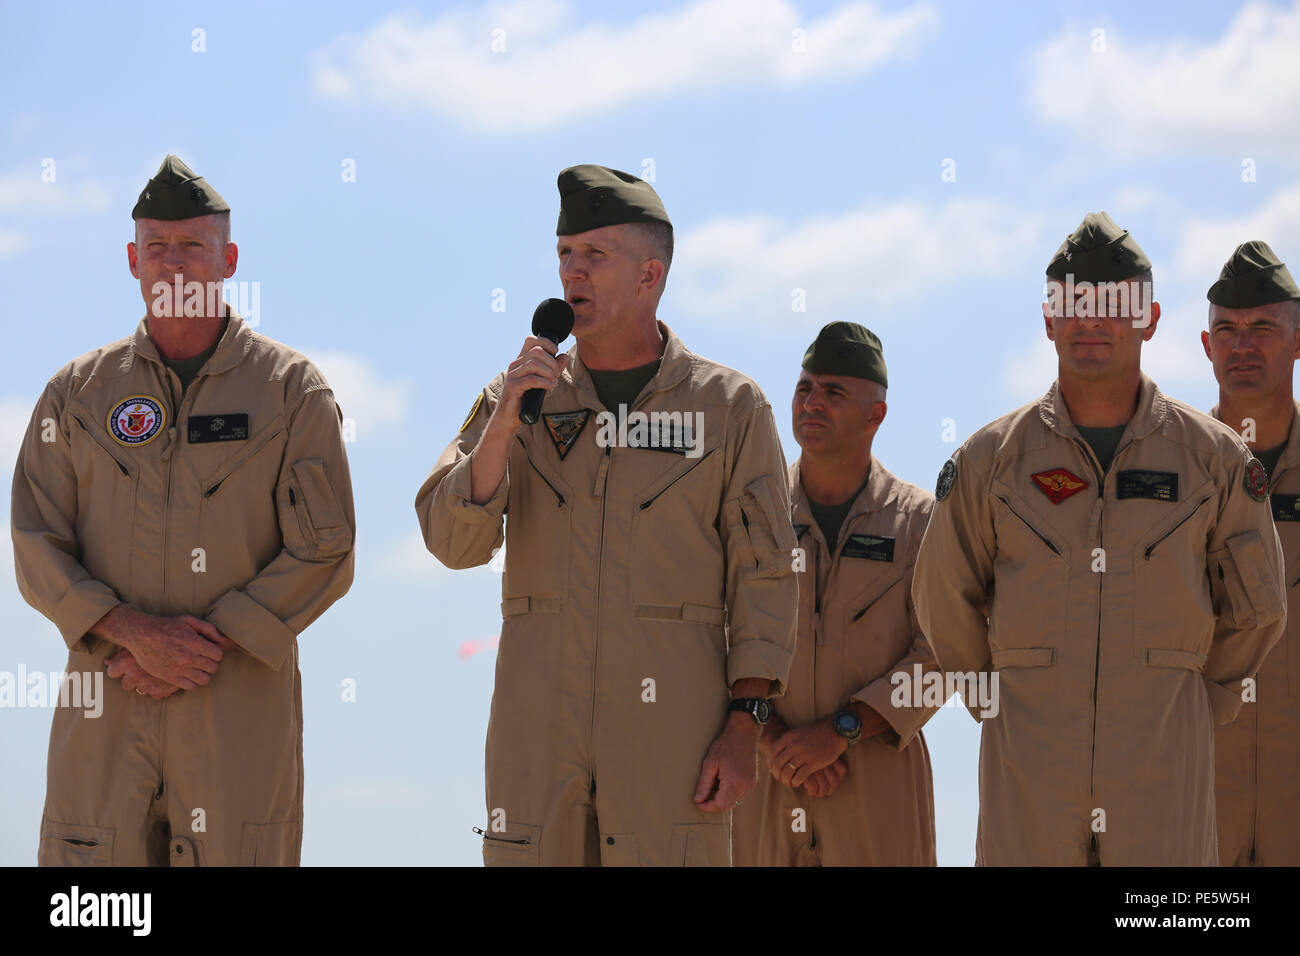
(1205, 243)
(1238, 94)
(23, 187)
(557, 68)
(369, 398)
(11, 243)
(407, 559)
(748, 267)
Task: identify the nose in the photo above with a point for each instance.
(571, 268)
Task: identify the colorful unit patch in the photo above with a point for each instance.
(1058, 484)
(1255, 480)
(565, 427)
(136, 420)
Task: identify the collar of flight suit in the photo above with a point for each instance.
(1152, 409)
(879, 491)
(231, 349)
(1290, 454)
(674, 366)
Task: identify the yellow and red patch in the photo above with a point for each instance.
(1058, 484)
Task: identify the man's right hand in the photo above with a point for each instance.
(536, 366)
(184, 651)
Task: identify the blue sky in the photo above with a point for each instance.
(819, 170)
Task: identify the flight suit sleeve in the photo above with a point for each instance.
(954, 571)
(883, 694)
(456, 531)
(42, 523)
(1247, 589)
(758, 541)
(313, 499)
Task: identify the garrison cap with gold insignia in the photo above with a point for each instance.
(846, 348)
(1098, 251)
(1253, 276)
(595, 196)
(176, 192)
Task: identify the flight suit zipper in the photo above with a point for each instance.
(1100, 507)
(485, 835)
(603, 477)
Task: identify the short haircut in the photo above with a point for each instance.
(659, 236)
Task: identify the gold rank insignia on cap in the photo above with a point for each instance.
(565, 427)
(1058, 484)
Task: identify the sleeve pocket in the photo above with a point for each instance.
(767, 528)
(311, 520)
(1242, 570)
(74, 844)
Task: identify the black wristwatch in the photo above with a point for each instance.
(757, 707)
(847, 724)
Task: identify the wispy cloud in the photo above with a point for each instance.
(538, 64)
(1236, 95)
(751, 267)
(369, 398)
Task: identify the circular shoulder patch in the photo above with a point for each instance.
(136, 420)
(472, 412)
(947, 475)
(1256, 479)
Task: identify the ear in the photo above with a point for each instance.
(1047, 321)
(132, 258)
(1205, 344)
(1154, 316)
(652, 274)
(229, 260)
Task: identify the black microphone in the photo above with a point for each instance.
(552, 320)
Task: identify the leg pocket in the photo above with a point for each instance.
(700, 844)
(519, 845)
(74, 844)
(619, 849)
(269, 844)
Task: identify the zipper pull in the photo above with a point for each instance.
(479, 830)
(598, 489)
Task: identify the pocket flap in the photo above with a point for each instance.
(1023, 657)
(522, 605)
(1168, 657)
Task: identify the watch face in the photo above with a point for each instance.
(847, 723)
(762, 711)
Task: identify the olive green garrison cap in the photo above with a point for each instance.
(596, 196)
(846, 348)
(1253, 276)
(176, 192)
(1098, 251)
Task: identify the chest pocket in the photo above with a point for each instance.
(675, 555)
(1172, 609)
(875, 624)
(1029, 606)
(539, 535)
(107, 479)
(238, 525)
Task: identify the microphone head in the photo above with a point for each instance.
(553, 319)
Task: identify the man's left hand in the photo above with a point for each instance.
(729, 771)
(805, 750)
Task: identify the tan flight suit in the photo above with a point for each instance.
(98, 521)
(857, 629)
(1257, 756)
(639, 584)
(1110, 681)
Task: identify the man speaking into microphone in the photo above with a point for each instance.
(648, 601)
